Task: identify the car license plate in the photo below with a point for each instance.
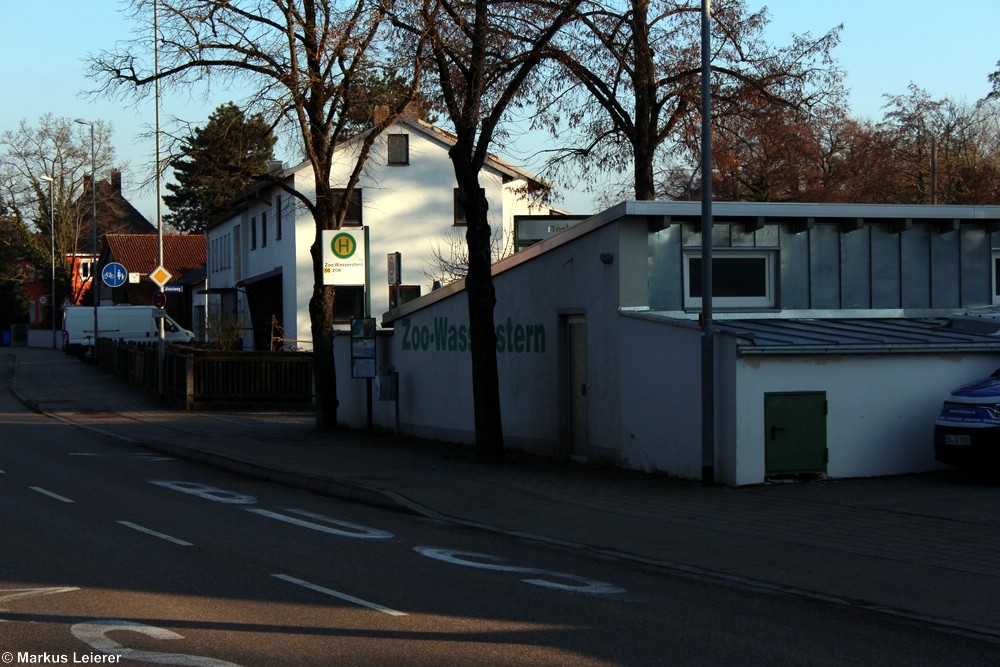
(957, 440)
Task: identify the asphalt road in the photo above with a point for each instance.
(120, 556)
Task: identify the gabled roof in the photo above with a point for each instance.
(508, 170)
(138, 253)
(115, 214)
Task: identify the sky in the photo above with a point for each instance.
(945, 49)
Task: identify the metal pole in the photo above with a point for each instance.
(93, 216)
(161, 351)
(52, 248)
(707, 339)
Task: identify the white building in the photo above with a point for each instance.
(259, 263)
(834, 336)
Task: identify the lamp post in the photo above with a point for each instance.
(52, 246)
(93, 216)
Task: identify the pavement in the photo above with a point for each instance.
(920, 547)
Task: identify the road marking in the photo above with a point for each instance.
(51, 495)
(354, 530)
(162, 536)
(337, 594)
(7, 594)
(212, 493)
(96, 635)
(495, 563)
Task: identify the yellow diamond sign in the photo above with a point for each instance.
(160, 276)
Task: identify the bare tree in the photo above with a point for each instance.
(57, 148)
(482, 54)
(302, 61)
(450, 256)
(632, 75)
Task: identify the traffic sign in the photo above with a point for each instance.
(159, 299)
(160, 276)
(114, 274)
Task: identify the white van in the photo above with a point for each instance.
(128, 323)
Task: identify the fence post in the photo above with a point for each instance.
(189, 381)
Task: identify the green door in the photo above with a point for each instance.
(795, 433)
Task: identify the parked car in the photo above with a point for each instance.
(967, 431)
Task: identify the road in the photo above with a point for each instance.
(117, 555)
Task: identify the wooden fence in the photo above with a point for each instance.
(211, 379)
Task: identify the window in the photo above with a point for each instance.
(353, 218)
(399, 149)
(237, 256)
(403, 293)
(460, 210)
(253, 233)
(740, 279)
(277, 218)
(996, 276)
(263, 229)
(348, 302)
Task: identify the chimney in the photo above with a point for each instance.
(412, 110)
(116, 181)
(381, 113)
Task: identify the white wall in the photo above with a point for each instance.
(536, 296)
(881, 408)
(408, 209)
(661, 396)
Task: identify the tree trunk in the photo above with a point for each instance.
(482, 301)
(324, 367)
(321, 321)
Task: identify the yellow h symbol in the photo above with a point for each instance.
(343, 245)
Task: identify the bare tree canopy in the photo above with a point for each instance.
(631, 83)
(56, 148)
(301, 60)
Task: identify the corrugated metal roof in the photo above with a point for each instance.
(861, 335)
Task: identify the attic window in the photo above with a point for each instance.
(399, 149)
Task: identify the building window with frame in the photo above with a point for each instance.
(277, 218)
(348, 302)
(399, 148)
(263, 229)
(460, 219)
(354, 209)
(996, 276)
(740, 279)
(253, 233)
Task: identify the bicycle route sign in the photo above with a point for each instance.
(114, 274)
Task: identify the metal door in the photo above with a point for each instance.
(795, 433)
(576, 337)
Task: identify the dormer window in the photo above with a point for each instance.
(399, 149)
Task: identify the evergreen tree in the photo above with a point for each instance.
(217, 162)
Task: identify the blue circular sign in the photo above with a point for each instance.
(114, 274)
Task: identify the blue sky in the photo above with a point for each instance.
(946, 49)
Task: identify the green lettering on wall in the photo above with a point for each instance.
(444, 336)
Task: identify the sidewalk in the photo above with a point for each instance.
(918, 546)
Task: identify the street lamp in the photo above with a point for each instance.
(93, 216)
(52, 246)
